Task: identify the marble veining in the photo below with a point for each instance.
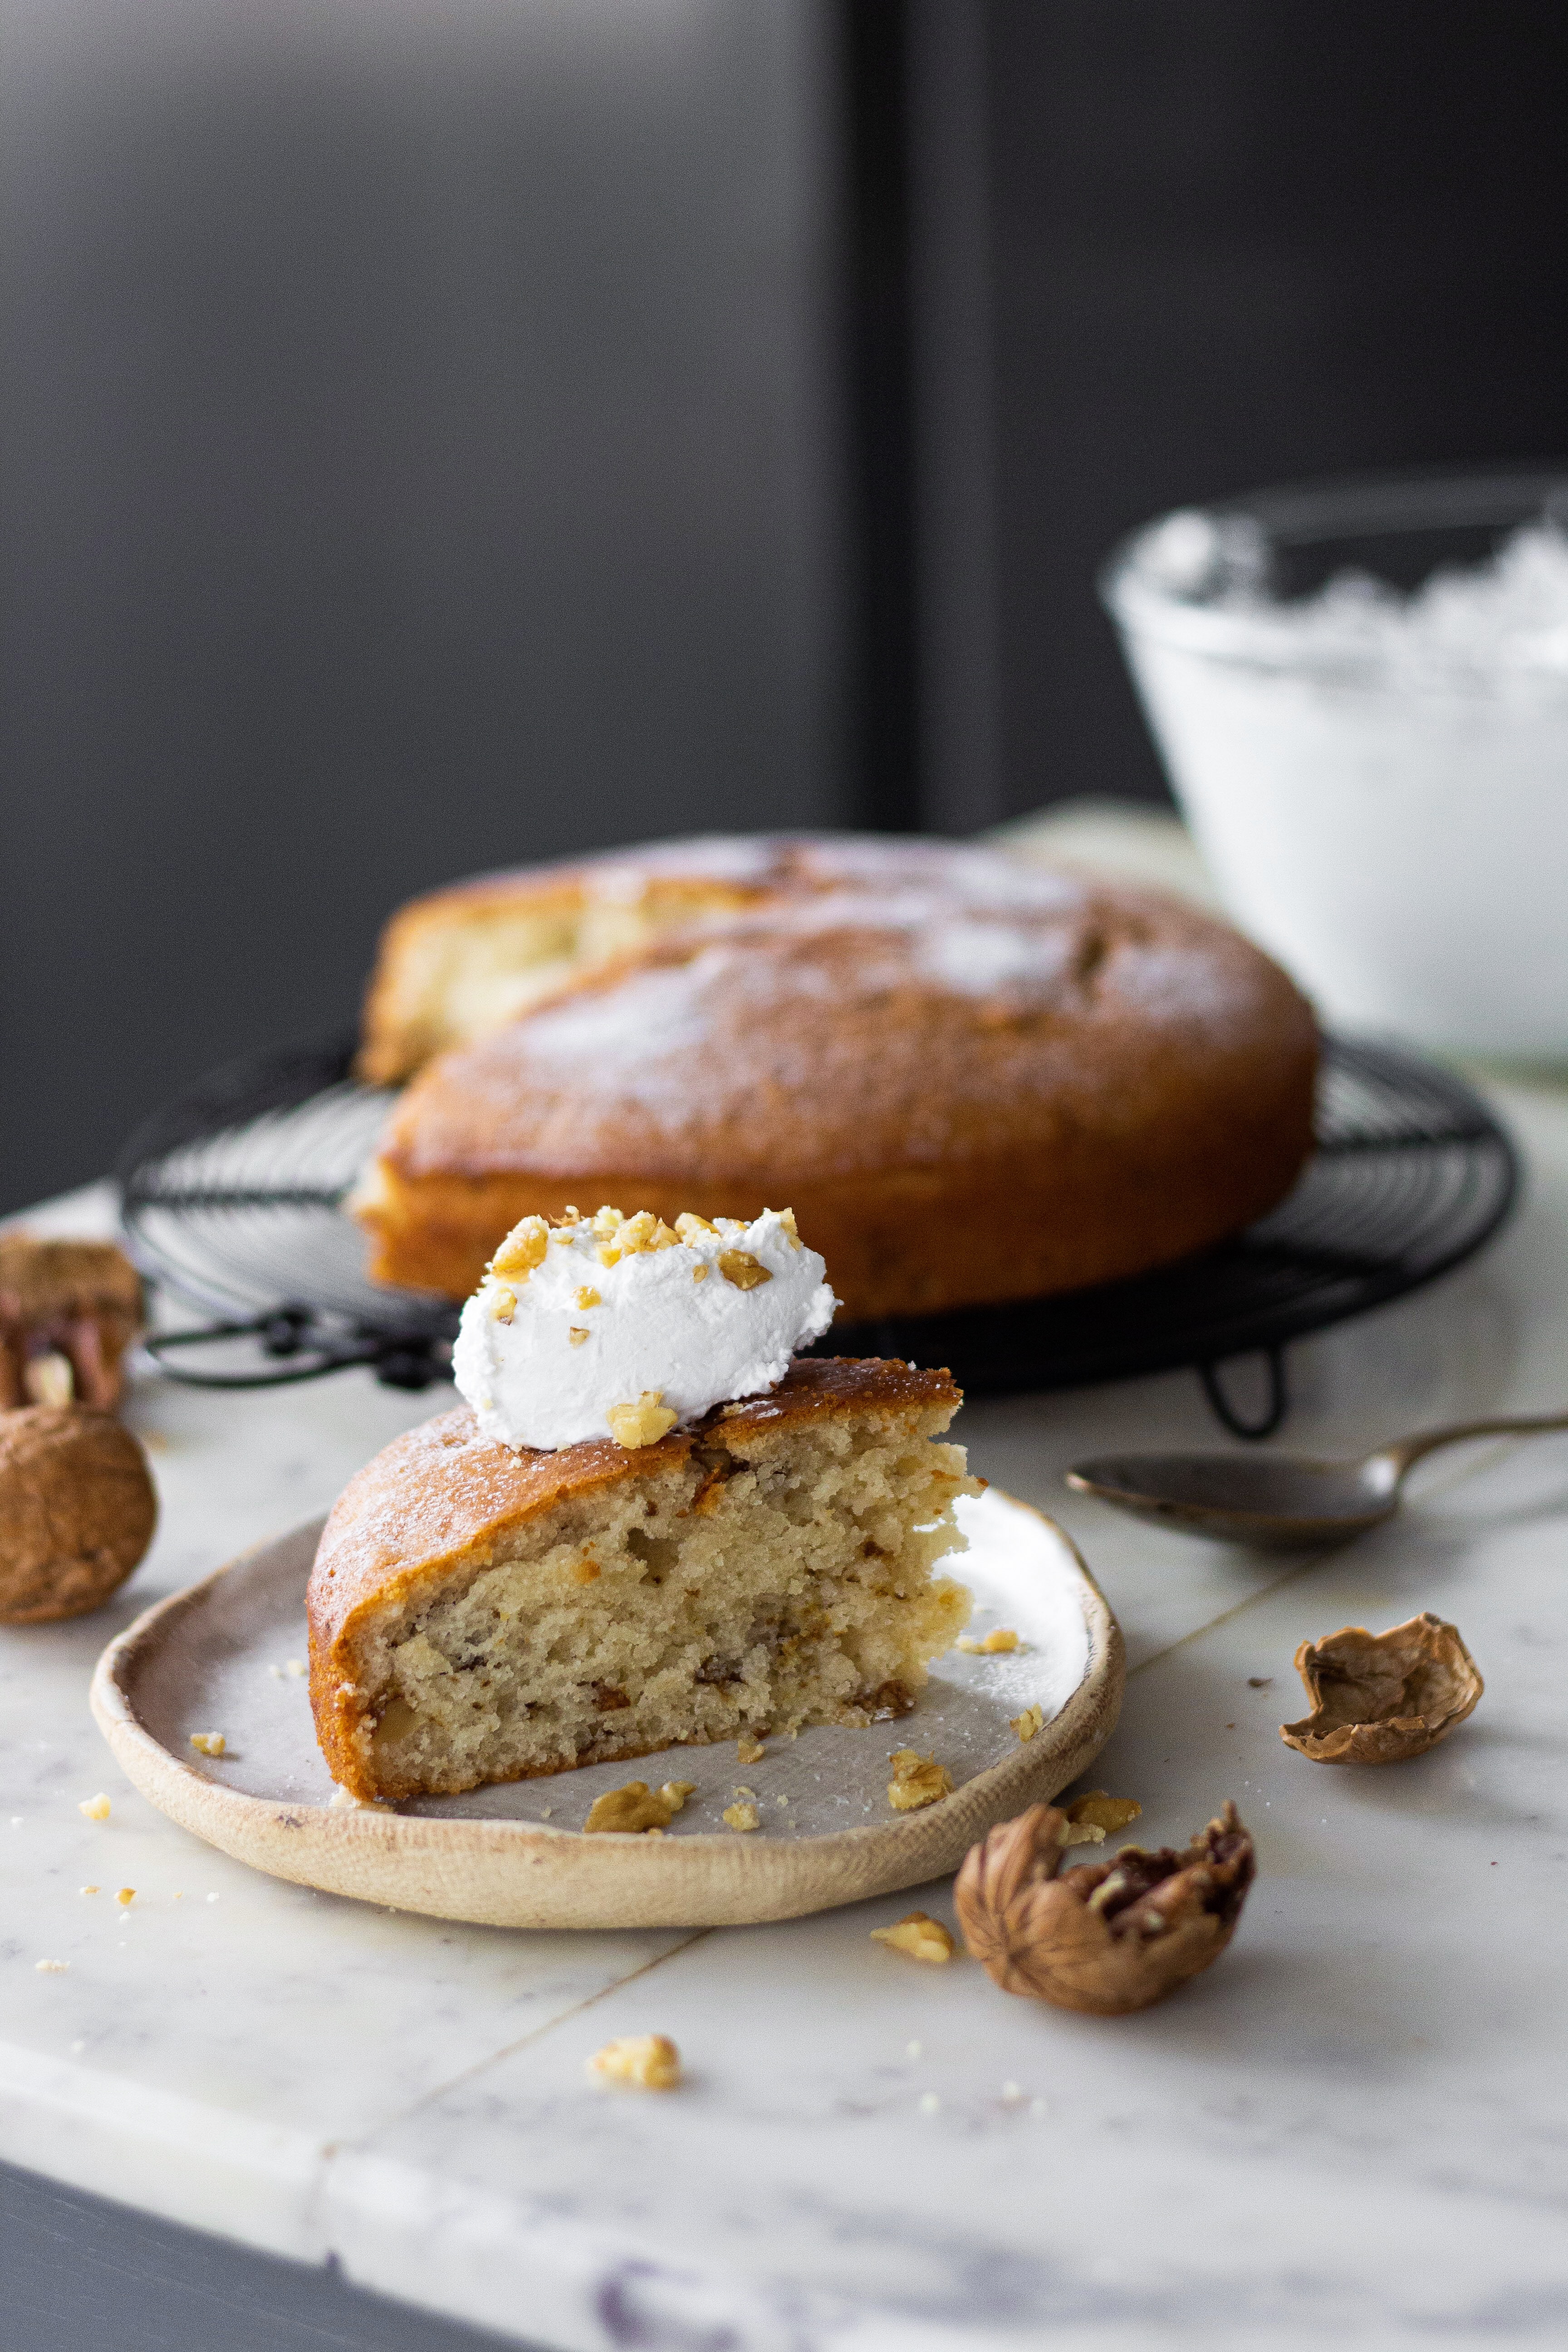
(1355, 2125)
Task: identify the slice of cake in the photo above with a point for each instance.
(743, 1544)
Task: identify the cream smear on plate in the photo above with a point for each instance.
(624, 1326)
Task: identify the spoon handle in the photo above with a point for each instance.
(1407, 1451)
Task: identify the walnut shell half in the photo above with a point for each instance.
(1106, 1937)
(1378, 1698)
(76, 1511)
(68, 1310)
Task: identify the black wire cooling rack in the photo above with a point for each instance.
(234, 1201)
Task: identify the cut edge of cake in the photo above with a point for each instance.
(480, 1614)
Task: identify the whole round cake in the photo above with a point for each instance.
(973, 1080)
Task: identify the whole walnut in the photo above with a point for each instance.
(76, 1511)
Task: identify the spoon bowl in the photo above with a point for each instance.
(1277, 1502)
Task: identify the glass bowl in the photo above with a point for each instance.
(1379, 786)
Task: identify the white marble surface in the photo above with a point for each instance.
(1355, 2125)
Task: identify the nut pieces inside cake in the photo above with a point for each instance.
(1107, 1938)
(1381, 1698)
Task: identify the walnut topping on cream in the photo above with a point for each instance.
(609, 1326)
(644, 1423)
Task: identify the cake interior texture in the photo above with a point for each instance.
(759, 1580)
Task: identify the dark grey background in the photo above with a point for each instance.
(421, 453)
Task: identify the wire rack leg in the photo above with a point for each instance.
(1277, 1402)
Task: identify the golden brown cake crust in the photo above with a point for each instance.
(990, 1090)
(441, 1495)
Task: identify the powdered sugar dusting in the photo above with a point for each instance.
(984, 959)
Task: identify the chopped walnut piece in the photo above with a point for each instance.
(786, 1219)
(642, 1423)
(743, 1269)
(68, 1310)
(503, 1304)
(575, 1335)
(1104, 1936)
(693, 1228)
(916, 1780)
(1030, 1722)
(676, 1792)
(1381, 1698)
(919, 1935)
(992, 1644)
(742, 1817)
(638, 2062)
(1095, 1810)
(208, 1743)
(588, 1297)
(749, 1751)
(636, 1807)
(522, 1250)
(125, 1896)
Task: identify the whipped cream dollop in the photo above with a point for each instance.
(625, 1326)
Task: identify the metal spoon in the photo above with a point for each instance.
(1277, 1501)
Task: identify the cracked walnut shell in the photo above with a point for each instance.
(76, 1511)
(1381, 1698)
(1104, 1936)
(68, 1310)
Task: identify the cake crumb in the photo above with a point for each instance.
(51, 1967)
(1011, 2094)
(208, 1743)
(89, 1890)
(991, 1644)
(642, 1423)
(95, 1808)
(639, 2061)
(676, 1792)
(916, 1780)
(919, 1935)
(295, 1667)
(1030, 1722)
(125, 1895)
(742, 1817)
(930, 2104)
(750, 1751)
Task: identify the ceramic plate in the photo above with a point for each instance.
(227, 1655)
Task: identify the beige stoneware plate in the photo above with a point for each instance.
(226, 1656)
